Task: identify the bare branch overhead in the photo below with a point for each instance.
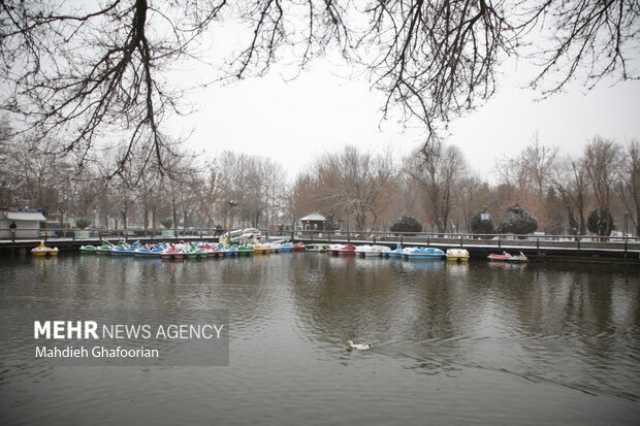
(88, 71)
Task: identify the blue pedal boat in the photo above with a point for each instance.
(423, 253)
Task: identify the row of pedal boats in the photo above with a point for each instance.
(194, 250)
(205, 249)
(415, 253)
(411, 253)
(197, 250)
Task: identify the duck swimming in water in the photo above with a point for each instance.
(357, 346)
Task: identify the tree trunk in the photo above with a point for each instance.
(154, 217)
(360, 221)
(174, 212)
(145, 212)
(583, 226)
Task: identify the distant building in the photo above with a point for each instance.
(27, 224)
(313, 222)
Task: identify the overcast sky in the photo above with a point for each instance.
(328, 106)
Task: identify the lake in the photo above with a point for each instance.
(473, 343)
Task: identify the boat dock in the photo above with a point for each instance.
(591, 253)
(540, 248)
(70, 244)
(537, 248)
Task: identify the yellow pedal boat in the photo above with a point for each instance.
(43, 250)
(457, 255)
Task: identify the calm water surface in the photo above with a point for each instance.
(453, 343)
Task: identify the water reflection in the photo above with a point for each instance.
(535, 321)
(423, 265)
(573, 327)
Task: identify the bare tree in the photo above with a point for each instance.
(252, 187)
(515, 178)
(475, 196)
(84, 71)
(29, 173)
(362, 181)
(438, 169)
(352, 185)
(601, 159)
(539, 161)
(589, 39)
(629, 185)
(209, 192)
(532, 167)
(571, 182)
(148, 192)
(439, 58)
(92, 70)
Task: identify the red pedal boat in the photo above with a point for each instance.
(496, 257)
(342, 249)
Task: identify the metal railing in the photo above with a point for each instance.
(65, 234)
(499, 241)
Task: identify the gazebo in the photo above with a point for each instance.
(313, 222)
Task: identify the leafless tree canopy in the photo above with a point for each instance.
(349, 185)
(601, 159)
(357, 190)
(629, 185)
(438, 171)
(89, 70)
(87, 73)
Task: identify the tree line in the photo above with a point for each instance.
(191, 190)
(537, 189)
(78, 73)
